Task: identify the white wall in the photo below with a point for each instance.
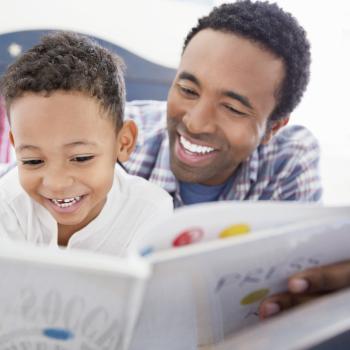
(155, 29)
(152, 28)
(325, 108)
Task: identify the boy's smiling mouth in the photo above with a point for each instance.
(65, 205)
(66, 202)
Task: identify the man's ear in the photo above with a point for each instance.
(12, 140)
(126, 140)
(272, 128)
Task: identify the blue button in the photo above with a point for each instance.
(61, 334)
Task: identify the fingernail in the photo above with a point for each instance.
(271, 309)
(298, 285)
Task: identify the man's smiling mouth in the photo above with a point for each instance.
(194, 148)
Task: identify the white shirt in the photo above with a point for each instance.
(133, 205)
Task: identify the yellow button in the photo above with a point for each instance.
(255, 296)
(235, 230)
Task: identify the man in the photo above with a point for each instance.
(243, 70)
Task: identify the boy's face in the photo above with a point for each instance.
(219, 105)
(66, 148)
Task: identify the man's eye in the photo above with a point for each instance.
(81, 159)
(234, 110)
(187, 91)
(32, 162)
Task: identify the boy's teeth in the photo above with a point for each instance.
(66, 202)
(191, 147)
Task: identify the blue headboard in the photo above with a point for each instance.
(144, 79)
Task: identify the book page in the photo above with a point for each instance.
(211, 221)
(66, 300)
(168, 317)
(226, 279)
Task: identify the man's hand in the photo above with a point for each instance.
(306, 286)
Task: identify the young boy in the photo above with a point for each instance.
(65, 102)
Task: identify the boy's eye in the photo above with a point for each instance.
(32, 162)
(81, 159)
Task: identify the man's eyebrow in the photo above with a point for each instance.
(188, 76)
(244, 100)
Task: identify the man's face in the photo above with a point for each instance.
(66, 150)
(219, 105)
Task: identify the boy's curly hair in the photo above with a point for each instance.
(68, 61)
(275, 30)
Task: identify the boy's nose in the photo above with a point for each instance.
(57, 181)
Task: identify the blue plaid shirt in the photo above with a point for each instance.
(287, 168)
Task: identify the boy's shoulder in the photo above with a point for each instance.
(10, 188)
(16, 207)
(140, 189)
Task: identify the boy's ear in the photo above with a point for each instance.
(273, 128)
(126, 140)
(12, 140)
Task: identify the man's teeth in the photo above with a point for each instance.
(67, 202)
(191, 147)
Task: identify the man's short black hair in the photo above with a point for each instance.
(275, 30)
(68, 61)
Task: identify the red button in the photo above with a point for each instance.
(189, 236)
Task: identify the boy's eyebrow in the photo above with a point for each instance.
(21, 148)
(80, 143)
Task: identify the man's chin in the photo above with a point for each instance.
(187, 174)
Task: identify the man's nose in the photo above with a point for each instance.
(200, 118)
(57, 180)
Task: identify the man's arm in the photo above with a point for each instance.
(306, 286)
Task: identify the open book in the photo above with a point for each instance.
(192, 282)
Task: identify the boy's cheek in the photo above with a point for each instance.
(28, 184)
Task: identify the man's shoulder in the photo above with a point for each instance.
(152, 140)
(291, 142)
(297, 136)
(150, 118)
(148, 114)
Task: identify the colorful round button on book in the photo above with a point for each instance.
(255, 296)
(188, 237)
(235, 230)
